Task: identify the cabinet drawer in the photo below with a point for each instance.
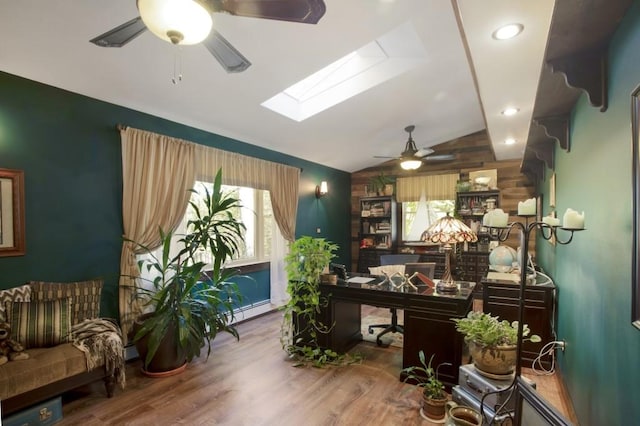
(498, 292)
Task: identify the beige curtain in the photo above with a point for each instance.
(280, 180)
(157, 172)
(434, 187)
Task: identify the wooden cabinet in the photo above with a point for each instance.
(474, 266)
(471, 207)
(437, 258)
(377, 230)
(475, 204)
(502, 298)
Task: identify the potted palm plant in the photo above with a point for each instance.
(434, 396)
(492, 342)
(187, 306)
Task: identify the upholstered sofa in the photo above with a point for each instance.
(59, 326)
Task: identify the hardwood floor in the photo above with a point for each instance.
(251, 382)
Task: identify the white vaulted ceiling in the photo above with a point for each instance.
(460, 86)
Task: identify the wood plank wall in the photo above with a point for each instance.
(473, 152)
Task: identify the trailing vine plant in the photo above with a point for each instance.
(306, 260)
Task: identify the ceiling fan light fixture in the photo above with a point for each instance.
(410, 164)
(176, 21)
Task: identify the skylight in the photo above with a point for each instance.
(388, 56)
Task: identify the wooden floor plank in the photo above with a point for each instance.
(251, 382)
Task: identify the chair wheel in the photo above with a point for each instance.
(370, 330)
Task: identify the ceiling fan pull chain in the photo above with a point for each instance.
(177, 65)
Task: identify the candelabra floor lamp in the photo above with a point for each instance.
(547, 232)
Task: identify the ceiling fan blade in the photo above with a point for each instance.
(228, 56)
(423, 152)
(382, 156)
(301, 11)
(440, 157)
(120, 35)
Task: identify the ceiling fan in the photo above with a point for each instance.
(156, 14)
(411, 158)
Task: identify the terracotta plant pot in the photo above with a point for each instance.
(434, 408)
(496, 360)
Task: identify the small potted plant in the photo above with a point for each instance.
(492, 342)
(382, 185)
(434, 396)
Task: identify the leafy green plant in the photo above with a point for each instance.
(182, 296)
(487, 330)
(306, 260)
(379, 182)
(426, 377)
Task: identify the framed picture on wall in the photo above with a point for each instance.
(635, 173)
(552, 190)
(12, 229)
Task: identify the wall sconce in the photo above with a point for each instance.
(321, 190)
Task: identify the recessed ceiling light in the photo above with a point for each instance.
(509, 111)
(509, 141)
(508, 31)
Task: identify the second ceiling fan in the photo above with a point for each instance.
(411, 158)
(158, 17)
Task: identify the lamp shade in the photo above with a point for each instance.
(176, 21)
(446, 231)
(449, 230)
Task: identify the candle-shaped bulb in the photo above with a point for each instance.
(527, 207)
(551, 221)
(573, 220)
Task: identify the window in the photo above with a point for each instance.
(417, 216)
(256, 215)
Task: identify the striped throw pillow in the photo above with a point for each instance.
(16, 294)
(40, 324)
(85, 296)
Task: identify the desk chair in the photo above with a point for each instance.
(393, 327)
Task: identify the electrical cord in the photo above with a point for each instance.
(548, 349)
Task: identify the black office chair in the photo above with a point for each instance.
(393, 327)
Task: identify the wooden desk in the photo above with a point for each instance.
(427, 321)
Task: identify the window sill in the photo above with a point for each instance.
(249, 267)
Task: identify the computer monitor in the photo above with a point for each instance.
(426, 268)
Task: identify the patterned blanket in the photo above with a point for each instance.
(101, 341)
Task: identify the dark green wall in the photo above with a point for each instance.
(69, 149)
(593, 273)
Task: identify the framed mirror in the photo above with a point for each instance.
(12, 229)
(533, 410)
(635, 151)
